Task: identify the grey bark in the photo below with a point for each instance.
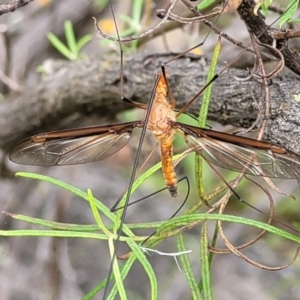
(73, 91)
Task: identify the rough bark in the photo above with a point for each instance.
(77, 90)
(257, 25)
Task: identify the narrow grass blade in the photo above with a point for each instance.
(203, 117)
(60, 46)
(116, 271)
(187, 269)
(83, 41)
(205, 268)
(70, 38)
(96, 213)
(198, 218)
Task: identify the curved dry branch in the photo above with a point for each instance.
(76, 90)
(257, 25)
(260, 234)
(236, 249)
(11, 7)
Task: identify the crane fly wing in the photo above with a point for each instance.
(253, 157)
(252, 161)
(71, 147)
(68, 151)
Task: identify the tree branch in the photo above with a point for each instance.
(257, 25)
(6, 8)
(76, 90)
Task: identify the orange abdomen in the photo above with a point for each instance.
(166, 148)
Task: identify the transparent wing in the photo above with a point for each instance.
(258, 162)
(71, 147)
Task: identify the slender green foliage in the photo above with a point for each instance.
(205, 264)
(203, 117)
(187, 269)
(72, 49)
(166, 229)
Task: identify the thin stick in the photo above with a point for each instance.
(148, 32)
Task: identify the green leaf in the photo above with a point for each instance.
(96, 213)
(60, 46)
(139, 253)
(83, 41)
(207, 93)
(116, 271)
(291, 9)
(119, 273)
(134, 26)
(137, 9)
(76, 227)
(203, 117)
(187, 269)
(72, 50)
(204, 4)
(205, 267)
(265, 7)
(104, 209)
(199, 218)
(124, 270)
(70, 38)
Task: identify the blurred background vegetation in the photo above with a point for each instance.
(49, 268)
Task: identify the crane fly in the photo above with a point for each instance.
(85, 145)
